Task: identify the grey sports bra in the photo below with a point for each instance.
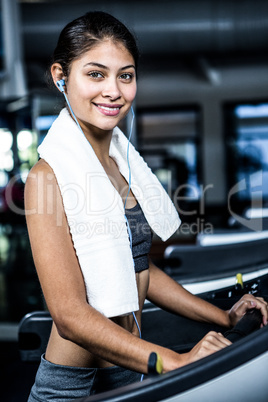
(141, 237)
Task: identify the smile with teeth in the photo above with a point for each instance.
(108, 108)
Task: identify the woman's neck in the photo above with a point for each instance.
(100, 143)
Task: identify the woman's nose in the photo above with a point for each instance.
(111, 89)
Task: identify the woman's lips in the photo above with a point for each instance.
(108, 110)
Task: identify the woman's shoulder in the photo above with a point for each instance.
(40, 170)
(41, 167)
(41, 188)
(40, 174)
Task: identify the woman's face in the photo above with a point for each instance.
(102, 86)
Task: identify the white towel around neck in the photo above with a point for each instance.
(95, 211)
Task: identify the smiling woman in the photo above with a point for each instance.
(101, 83)
(90, 227)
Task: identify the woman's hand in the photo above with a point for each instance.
(212, 342)
(248, 302)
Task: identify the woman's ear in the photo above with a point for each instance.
(57, 73)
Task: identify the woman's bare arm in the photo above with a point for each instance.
(170, 295)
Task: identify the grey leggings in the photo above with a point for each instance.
(58, 383)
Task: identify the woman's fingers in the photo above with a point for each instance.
(248, 302)
(215, 341)
(263, 306)
(211, 343)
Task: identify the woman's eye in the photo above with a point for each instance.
(126, 76)
(95, 74)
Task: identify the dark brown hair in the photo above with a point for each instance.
(84, 32)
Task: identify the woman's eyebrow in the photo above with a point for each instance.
(95, 65)
(129, 66)
(105, 67)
